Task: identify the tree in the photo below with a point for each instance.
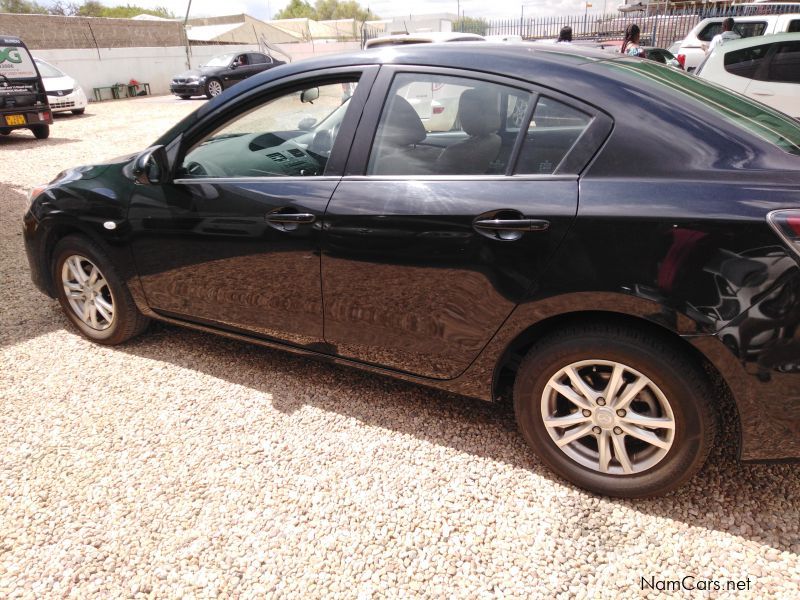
(25, 7)
(64, 8)
(471, 25)
(324, 10)
(93, 8)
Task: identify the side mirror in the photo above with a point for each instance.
(151, 167)
(233, 66)
(309, 95)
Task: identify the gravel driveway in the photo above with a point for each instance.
(183, 464)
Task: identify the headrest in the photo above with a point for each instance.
(402, 126)
(478, 112)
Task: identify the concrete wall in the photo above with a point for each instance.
(51, 31)
(106, 66)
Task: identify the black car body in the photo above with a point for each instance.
(23, 99)
(622, 209)
(220, 73)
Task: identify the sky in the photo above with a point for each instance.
(265, 9)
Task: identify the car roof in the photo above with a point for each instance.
(759, 40)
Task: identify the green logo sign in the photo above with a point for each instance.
(10, 55)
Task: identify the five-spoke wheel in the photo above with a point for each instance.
(87, 292)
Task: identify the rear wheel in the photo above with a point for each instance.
(41, 132)
(92, 295)
(185, 97)
(615, 410)
(5, 131)
(78, 111)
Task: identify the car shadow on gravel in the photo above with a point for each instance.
(760, 503)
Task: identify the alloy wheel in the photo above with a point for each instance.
(608, 417)
(214, 88)
(87, 292)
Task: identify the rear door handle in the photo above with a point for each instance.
(512, 224)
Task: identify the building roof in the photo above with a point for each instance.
(209, 33)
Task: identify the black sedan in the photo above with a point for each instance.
(220, 73)
(609, 243)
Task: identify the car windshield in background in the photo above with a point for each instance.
(770, 125)
(48, 70)
(220, 61)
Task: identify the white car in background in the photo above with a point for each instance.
(63, 92)
(764, 68)
(694, 45)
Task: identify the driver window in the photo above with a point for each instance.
(291, 135)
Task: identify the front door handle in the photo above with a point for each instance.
(283, 218)
(512, 224)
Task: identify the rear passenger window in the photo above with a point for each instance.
(553, 131)
(785, 64)
(439, 125)
(257, 59)
(794, 26)
(747, 61)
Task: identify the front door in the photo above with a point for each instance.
(447, 219)
(234, 241)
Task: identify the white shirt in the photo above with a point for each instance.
(721, 38)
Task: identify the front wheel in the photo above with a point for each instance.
(41, 132)
(184, 97)
(78, 111)
(92, 295)
(614, 410)
(213, 88)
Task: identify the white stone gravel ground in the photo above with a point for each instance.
(186, 465)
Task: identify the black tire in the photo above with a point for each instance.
(207, 89)
(5, 131)
(41, 132)
(127, 321)
(185, 97)
(78, 111)
(682, 383)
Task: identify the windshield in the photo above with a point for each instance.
(220, 61)
(48, 70)
(15, 62)
(768, 124)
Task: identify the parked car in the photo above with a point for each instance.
(463, 260)
(766, 69)
(695, 44)
(64, 93)
(220, 73)
(661, 55)
(23, 101)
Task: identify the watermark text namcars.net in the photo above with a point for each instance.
(692, 583)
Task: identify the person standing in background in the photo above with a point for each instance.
(630, 44)
(725, 35)
(565, 35)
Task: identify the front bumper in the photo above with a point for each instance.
(187, 89)
(73, 101)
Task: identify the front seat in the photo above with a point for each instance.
(480, 119)
(397, 149)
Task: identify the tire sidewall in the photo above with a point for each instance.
(690, 420)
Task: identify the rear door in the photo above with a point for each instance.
(778, 82)
(438, 230)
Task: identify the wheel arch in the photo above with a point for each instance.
(506, 367)
(56, 232)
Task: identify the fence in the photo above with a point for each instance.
(659, 26)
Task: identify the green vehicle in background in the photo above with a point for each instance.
(23, 100)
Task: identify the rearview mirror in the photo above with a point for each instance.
(309, 95)
(151, 166)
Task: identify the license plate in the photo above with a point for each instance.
(15, 119)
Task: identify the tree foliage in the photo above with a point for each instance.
(471, 25)
(90, 8)
(325, 10)
(29, 7)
